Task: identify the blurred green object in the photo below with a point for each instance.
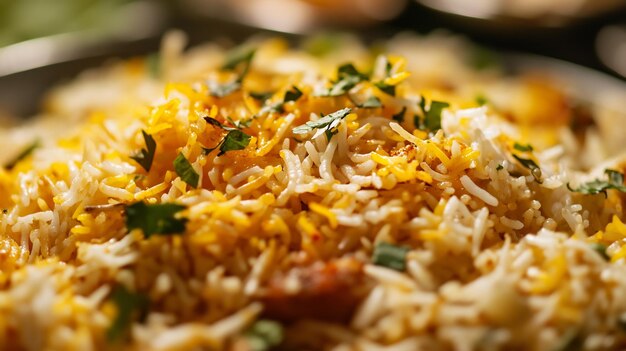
(27, 19)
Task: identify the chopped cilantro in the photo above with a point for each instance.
(261, 96)
(322, 44)
(482, 58)
(601, 250)
(432, 115)
(326, 124)
(615, 180)
(399, 117)
(371, 102)
(292, 94)
(223, 90)
(522, 147)
(237, 56)
(532, 166)
(347, 78)
(22, 155)
(155, 218)
(481, 100)
(153, 65)
(239, 124)
(499, 167)
(234, 140)
(185, 171)
(390, 256)
(146, 156)
(386, 88)
(264, 335)
(216, 123)
(130, 306)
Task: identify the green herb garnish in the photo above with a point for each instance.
(264, 335)
(390, 256)
(322, 44)
(222, 90)
(326, 124)
(22, 155)
(432, 115)
(399, 117)
(499, 167)
(371, 102)
(155, 218)
(153, 65)
(237, 56)
(130, 306)
(146, 156)
(292, 94)
(615, 180)
(347, 78)
(185, 170)
(234, 140)
(601, 250)
(522, 147)
(261, 96)
(535, 171)
(481, 100)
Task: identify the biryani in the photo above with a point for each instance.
(410, 195)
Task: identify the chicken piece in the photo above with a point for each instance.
(323, 290)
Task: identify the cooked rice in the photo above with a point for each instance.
(285, 228)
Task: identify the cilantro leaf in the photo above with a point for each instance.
(535, 170)
(399, 117)
(326, 124)
(223, 90)
(146, 156)
(481, 100)
(264, 335)
(292, 94)
(129, 306)
(261, 96)
(615, 181)
(386, 88)
(185, 171)
(153, 64)
(347, 78)
(499, 167)
(22, 155)
(390, 256)
(155, 218)
(216, 123)
(432, 115)
(522, 147)
(601, 250)
(371, 102)
(234, 140)
(237, 56)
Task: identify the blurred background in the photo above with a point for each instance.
(69, 35)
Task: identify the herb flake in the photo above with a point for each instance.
(390, 256)
(371, 102)
(535, 170)
(615, 180)
(185, 170)
(399, 117)
(155, 218)
(327, 124)
(130, 306)
(146, 156)
(234, 140)
(264, 335)
(22, 155)
(601, 250)
(523, 147)
(292, 94)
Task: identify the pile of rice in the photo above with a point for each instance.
(372, 233)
